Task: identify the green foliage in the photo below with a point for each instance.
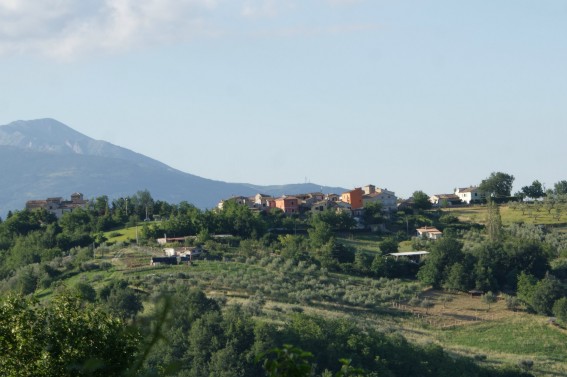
(489, 298)
(526, 287)
(85, 291)
(288, 361)
(373, 213)
(493, 222)
(64, 338)
(456, 278)
(560, 188)
(320, 232)
(545, 293)
(539, 296)
(443, 254)
(560, 309)
(121, 300)
(534, 191)
(336, 220)
(497, 185)
(388, 245)
(421, 200)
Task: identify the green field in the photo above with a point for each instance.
(529, 215)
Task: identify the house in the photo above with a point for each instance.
(353, 197)
(165, 240)
(404, 204)
(323, 205)
(333, 197)
(157, 261)
(241, 200)
(470, 194)
(288, 204)
(387, 198)
(183, 252)
(262, 201)
(431, 233)
(445, 200)
(58, 206)
(344, 207)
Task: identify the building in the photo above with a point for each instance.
(288, 204)
(429, 232)
(240, 200)
(413, 256)
(470, 194)
(387, 198)
(445, 200)
(182, 251)
(353, 197)
(58, 206)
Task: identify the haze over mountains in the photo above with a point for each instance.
(45, 158)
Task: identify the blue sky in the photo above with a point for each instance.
(407, 95)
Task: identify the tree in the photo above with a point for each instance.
(66, 337)
(560, 188)
(493, 222)
(373, 213)
(443, 254)
(546, 292)
(388, 245)
(526, 287)
(456, 278)
(534, 191)
(497, 185)
(560, 309)
(489, 298)
(122, 300)
(320, 232)
(288, 361)
(421, 200)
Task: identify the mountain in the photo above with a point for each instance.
(45, 158)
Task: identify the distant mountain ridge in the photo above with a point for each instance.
(45, 158)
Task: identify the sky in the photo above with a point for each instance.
(405, 95)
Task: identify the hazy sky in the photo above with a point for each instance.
(407, 95)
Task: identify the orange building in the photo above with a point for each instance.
(353, 197)
(288, 204)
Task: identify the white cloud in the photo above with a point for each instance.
(260, 8)
(65, 28)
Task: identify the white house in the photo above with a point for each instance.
(387, 198)
(469, 194)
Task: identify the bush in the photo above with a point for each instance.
(560, 309)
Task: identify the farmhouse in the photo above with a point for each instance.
(431, 233)
(469, 194)
(445, 200)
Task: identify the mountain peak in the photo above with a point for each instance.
(43, 135)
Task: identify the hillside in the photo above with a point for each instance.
(45, 158)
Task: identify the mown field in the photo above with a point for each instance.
(528, 214)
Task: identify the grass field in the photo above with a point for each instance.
(366, 244)
(510, 215)
(498, 336)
